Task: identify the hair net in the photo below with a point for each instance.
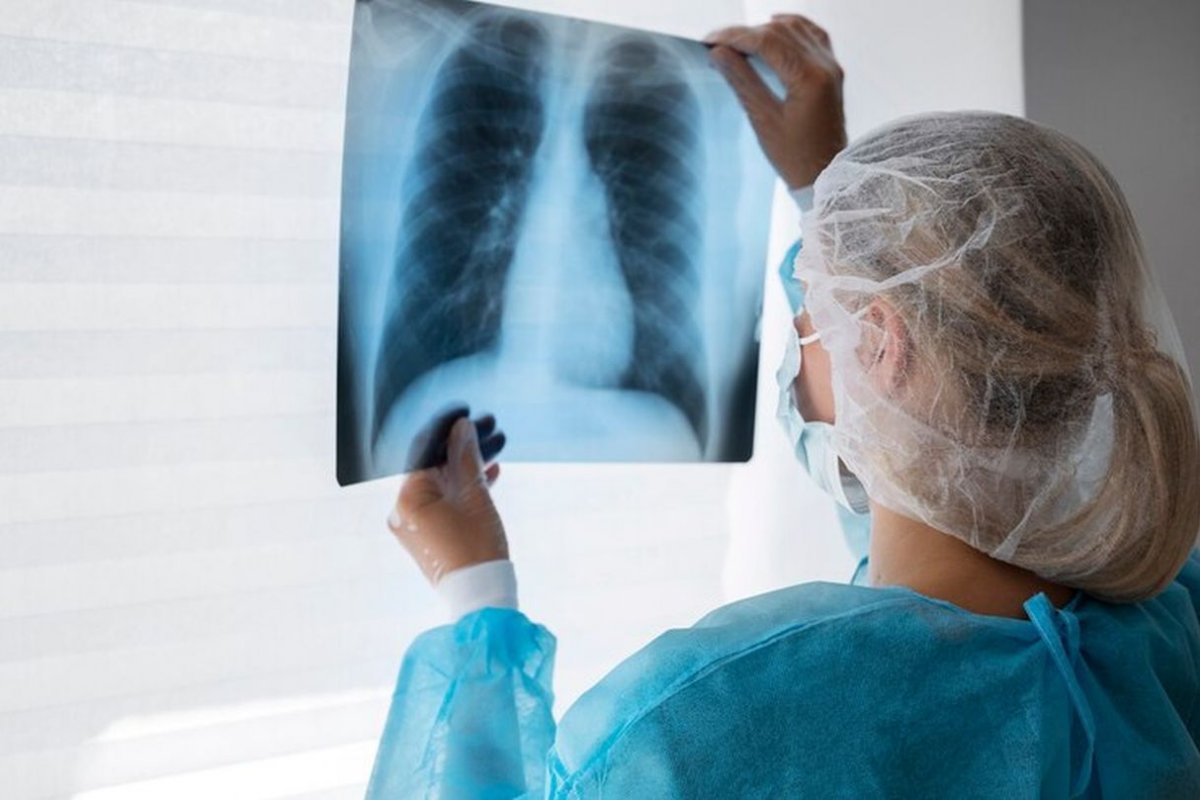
(1003, 365)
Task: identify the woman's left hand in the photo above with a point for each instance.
(444, 515)
(801, 133)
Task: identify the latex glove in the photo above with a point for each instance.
(801, 133)
(444, 516)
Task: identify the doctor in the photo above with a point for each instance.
(974, 372)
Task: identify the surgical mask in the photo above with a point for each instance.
(812, 440)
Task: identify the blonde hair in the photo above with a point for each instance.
(1037, 345)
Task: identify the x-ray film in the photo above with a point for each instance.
(559, 222)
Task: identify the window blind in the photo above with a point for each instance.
(189, 605)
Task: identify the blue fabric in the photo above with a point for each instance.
(856, 528)
(816, 690)
(471, 713)
(821, 690)
(793, 290)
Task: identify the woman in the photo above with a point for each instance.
(977, 361)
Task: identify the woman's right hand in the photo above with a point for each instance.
(444, 515)
(801, 134)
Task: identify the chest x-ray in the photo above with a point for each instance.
(559, 222)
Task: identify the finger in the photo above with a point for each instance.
(802, 21)
(428, 447)
(779, 48)
(490, 447)
(819, 33)
(485, 425)
(770, 42)
(465, 460)
(492, 473)
(747, 41)
(754, 95)
(726, 35)
(809, 36)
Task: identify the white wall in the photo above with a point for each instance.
(189, 605)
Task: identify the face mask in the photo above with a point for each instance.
(811, 441)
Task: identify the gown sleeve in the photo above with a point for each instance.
(471, 713)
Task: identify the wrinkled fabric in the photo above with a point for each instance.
(471, 713)
(816, 690)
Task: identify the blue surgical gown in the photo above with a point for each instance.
(816, 690)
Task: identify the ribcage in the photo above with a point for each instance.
(466, 188)
(640, 133)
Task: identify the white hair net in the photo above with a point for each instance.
(1004, 367)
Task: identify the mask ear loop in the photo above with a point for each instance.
(812, 337)
(815, 335)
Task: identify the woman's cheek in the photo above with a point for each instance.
(812, 389)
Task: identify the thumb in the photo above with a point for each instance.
(754, 95)
(465, 460)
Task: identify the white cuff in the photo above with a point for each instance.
(467, 589)
(803, 197)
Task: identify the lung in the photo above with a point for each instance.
(466, 189)
(640, 129)
(560, 220)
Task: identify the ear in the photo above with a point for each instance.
(886, 347)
